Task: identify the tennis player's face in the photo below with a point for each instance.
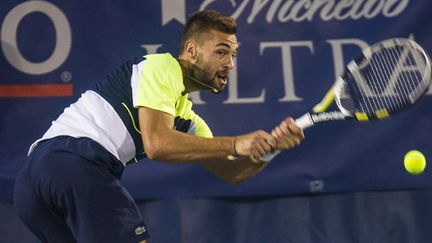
(215, 57)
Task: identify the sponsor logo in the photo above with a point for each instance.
(140, 230)
(327, 116)
(10, 49)
(291, 11)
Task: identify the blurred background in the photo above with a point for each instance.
(345, 183)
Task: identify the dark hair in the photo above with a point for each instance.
(203, 22)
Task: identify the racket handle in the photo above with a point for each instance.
(303, 122)
(269, 157)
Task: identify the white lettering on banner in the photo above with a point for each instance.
(307, 10)
(9, 42)
(287, 64)
(233, 97)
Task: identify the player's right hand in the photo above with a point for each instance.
(287, 134)
(255, 144)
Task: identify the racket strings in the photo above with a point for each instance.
(378, 75)
(410, 80)
(390, 80)
(405, 78)
(376, 71)
(421, 59)
(392, 59)
(386, 65)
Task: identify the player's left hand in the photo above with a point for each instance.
(288, 135)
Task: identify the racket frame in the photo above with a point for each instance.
(319, 114)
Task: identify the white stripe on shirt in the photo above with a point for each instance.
(93, 117)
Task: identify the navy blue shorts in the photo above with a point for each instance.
(69, 190)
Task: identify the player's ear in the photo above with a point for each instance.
(191, 49)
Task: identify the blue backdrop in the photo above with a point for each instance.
(290, 53)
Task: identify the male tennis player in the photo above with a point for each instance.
(69, 190)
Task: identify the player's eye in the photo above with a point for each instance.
(220, 53)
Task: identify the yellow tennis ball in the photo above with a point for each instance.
(414, 162)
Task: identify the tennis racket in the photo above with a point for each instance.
(386, 78)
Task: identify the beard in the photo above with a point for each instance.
(201, 71)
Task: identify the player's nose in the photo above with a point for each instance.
(229, 64)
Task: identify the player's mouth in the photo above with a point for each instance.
(223, 77)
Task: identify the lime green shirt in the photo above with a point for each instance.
(160, 87)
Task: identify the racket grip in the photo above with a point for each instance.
(304, 121)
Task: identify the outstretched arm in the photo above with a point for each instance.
(162, 142)
(233, 169)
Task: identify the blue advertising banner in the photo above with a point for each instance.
(290, 53)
